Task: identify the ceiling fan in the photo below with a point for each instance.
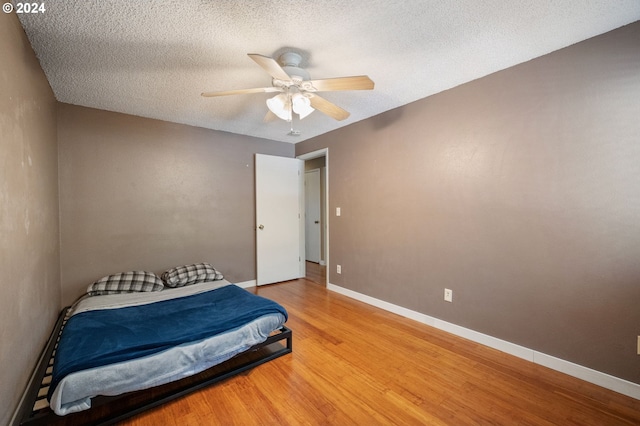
(296, 92)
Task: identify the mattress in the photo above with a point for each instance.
(74, 391)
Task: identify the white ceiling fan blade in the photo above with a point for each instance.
(358, 82)
(271, 66)
(242, 91)
(329, 108)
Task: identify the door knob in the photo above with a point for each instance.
(317, 221)
(261, 227)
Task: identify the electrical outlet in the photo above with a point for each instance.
(339, 269)
(448, 295)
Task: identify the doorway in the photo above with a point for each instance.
(312, 215)
(316, 267)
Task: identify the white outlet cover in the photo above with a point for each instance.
(448, 295)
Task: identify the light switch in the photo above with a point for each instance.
(337, 211)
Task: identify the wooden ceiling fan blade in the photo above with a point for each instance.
(269, 117)
(329, 108)
(358, 82)
(241, 91)
(271, 66)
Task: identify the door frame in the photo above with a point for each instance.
(324, 152)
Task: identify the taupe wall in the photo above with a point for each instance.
(144, 194)
(29, 259)
(520, 191)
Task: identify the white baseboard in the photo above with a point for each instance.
(584, 373)
(247, 284)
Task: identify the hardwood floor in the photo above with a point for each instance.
(354, 364)
(316, 272)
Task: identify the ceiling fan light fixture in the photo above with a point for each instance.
(301, 105)
(280, 105)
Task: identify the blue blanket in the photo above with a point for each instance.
(96, 338)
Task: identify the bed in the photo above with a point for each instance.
(116, 345)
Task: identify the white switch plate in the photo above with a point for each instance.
(339, 269)
(337, 211)
(448, 295)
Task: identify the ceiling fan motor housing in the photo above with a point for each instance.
(290, 62)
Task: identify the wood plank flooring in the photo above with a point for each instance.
(316, 272)
(354, 364)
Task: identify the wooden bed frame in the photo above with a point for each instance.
(106, 410)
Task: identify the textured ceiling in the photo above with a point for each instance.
(154, 58)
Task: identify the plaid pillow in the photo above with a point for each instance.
(126, 282)
(190, 274)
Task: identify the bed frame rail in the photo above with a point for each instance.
(34, 400)
(106, 410)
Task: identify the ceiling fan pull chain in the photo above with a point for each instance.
(293, 132)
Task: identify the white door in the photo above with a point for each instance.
(279, 225)
(312, 215)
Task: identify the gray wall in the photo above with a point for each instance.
(137, 193)
(520, 191)
(29, 259)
